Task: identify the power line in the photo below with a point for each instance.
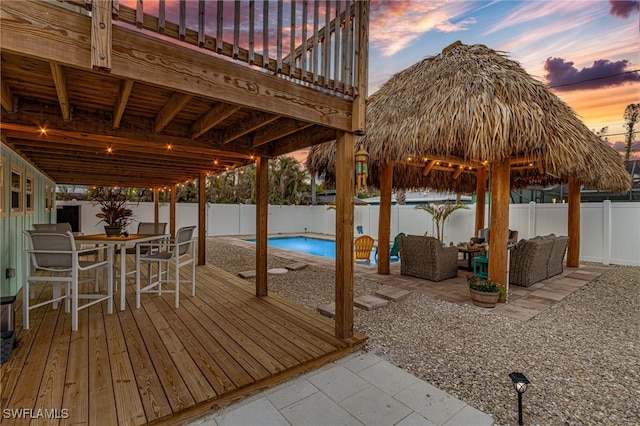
(593, 79)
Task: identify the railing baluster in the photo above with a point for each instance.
(236, 29)
(326, 45)
(183, 19)
(201, 29)
(279, 38)
(314, 52)
(161, 16)
(252, 24)
(265, 34)
(219, 26)
(292, 48)
(337, 49)
(303, 56)
(346, 54)
(139, 14)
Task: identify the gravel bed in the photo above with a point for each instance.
(582, 355)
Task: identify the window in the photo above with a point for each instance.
(28, 194)
(16, 191)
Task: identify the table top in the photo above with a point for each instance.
(120, 239)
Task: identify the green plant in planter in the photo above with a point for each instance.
(113, 210)
(486, 286)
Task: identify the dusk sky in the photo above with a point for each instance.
(587, 52)
(559, 42)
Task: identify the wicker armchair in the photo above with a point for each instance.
(424, 257)
(557, 255)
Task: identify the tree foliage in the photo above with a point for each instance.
(631, 113)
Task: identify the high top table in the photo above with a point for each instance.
(121, 241)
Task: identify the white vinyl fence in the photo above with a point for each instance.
(610, 232)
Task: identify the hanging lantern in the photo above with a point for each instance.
(362, 168)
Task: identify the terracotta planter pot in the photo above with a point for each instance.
(483, 299)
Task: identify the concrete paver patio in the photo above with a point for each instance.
(361, 389)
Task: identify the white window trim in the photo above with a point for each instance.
(20, 209)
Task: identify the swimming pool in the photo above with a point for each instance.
(315, 246)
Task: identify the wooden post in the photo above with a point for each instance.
(499, 222)
(345, 157)
(360, 101)
(202, 219)
(101, 35)
(172, 210)
(156, 205)
(262, 213)
(573, 248)
(481, 194)
(384, 219)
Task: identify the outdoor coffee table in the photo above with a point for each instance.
(468, 255)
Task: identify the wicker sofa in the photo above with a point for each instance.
(424, 257)
(537, 259)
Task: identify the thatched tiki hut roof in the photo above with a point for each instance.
(450, 118)
(470, 105)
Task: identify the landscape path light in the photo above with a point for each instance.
(520, 383)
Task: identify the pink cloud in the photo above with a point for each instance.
(562, 75)
(623, 8)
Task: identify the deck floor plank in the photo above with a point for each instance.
(129, 407)
(102, 407)
(162, 365)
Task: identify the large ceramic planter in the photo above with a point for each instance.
(112, 231)
(484, 299)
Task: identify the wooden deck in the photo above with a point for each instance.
(162, 365)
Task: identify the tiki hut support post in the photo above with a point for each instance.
(573, 249)
(345, 157)
(499, 226)
(172, 210)
(202, 219)
(384, 219)
(262, 213)
(481, 192)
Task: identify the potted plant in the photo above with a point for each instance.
(440, 213)
(483, 292)
(113, 210)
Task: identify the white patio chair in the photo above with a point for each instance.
(143, 228)
(180, 252)
(57, 253)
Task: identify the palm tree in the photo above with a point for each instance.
(631, 113)
(440, 213)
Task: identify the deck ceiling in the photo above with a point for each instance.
(162, 115)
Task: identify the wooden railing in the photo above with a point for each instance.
(314, 43)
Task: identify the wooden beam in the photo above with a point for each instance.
(345, 157)
(458, 172)
(57, 72)
(427, 168)
(121, 102)
(305, 138)
(481, 193)
(7, 97)
(202, 219)
(257, 121)
(279, 129)
(53, 34)
(174, 105)
(262, 214)
(384, 219)
(573, 224)
(211, 118)
(97, 127)
(101, 35)
(500, 193)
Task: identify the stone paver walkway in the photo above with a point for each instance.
(361, 389)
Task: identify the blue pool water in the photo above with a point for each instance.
(315, 246)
